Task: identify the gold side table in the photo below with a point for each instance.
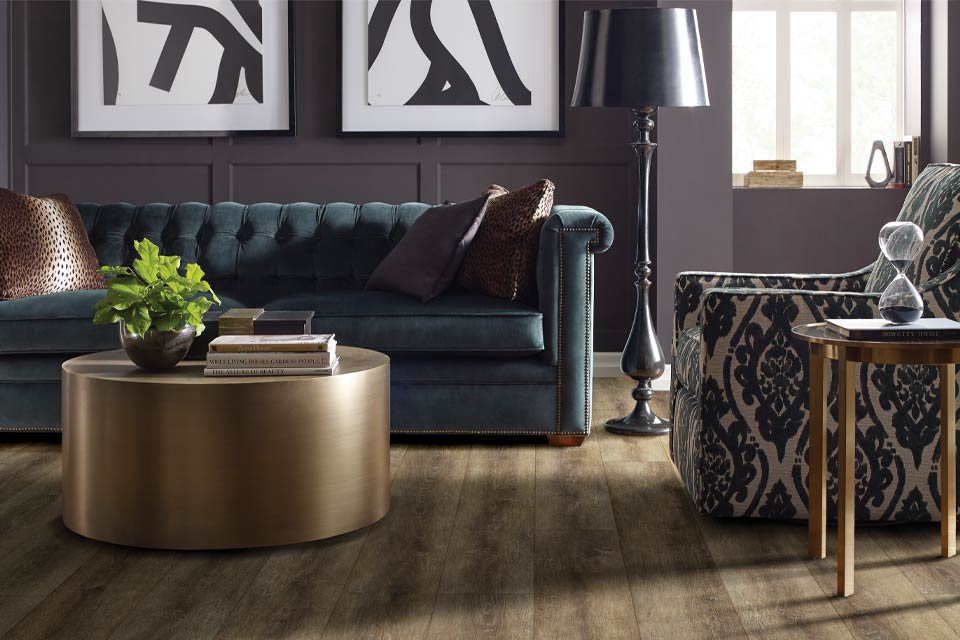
(175, 460)
(826, 345)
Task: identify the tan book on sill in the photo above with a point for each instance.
(773, 179)
(774, 165)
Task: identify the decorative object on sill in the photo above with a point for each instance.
(774, 173)
(160, 310)
(878, 184)
(641, 59)
(900, 243)
(182, 69)
(400, 73)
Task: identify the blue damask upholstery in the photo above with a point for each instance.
(463, 362)
(740, 394)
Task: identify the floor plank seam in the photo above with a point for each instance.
(623, 554)
(453, 524)
(356, 559)
(145, 595)
(243, 593)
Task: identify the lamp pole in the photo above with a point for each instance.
(642, 357)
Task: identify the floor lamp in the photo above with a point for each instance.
(641, 59)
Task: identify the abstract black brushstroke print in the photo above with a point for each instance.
(446, 81)
(238, 55)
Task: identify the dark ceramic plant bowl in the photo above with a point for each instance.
(157, 350)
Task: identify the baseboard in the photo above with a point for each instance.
(606, 364)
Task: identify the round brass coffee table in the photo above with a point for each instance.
(178, 461)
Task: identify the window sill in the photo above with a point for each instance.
(819, 188)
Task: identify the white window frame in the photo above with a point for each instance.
(843, 9)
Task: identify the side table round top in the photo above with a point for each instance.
(878, 351)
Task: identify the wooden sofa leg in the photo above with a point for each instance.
(566, 441)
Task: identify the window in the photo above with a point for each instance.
(817, 81)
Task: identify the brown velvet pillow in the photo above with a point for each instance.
(425, 261)
(44, 247)
(501, 260)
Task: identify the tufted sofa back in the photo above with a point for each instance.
(257, 251)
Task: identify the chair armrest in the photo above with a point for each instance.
(568, 240)
(731, 316)
(690, 286)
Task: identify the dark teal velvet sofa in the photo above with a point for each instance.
(461, 363)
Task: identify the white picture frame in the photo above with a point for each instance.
(198, 68)
(492, 68)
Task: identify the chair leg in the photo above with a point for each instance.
(566, 441)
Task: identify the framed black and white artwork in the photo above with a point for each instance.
(182, 67)
(451, 67)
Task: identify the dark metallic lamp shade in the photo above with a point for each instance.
(640, 58)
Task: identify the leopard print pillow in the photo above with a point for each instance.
(44, 247)
(501, 261)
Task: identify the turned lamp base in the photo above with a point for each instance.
(642, 421)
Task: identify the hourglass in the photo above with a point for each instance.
(901, 242)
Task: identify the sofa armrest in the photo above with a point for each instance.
(568, 240)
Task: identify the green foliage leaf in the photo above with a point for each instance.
(115, 271)
(147, 265)
(154, 293)
(137, 319)
(169, 267)
(124, 292)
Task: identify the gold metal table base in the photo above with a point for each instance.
(825, 346)
(178, 461)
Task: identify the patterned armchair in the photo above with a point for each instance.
(740, 387)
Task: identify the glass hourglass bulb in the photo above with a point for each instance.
(900, 243)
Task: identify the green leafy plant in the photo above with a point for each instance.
(154, 294)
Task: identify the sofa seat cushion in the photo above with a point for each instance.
(687, 362)
(59, 323)
(456, 322)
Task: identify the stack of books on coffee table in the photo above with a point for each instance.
(284, 355)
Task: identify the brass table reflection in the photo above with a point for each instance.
(825, 345)
(175, 460)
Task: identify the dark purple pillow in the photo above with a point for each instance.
(425, 261)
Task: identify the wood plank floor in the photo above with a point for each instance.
(483, 540)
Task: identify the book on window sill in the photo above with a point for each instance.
(922, 329)
(292, 360)
(270, 371)
(273, 344)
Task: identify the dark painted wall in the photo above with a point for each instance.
(4, 95)
(694, 198)
(945, 80)
(809, 230)
(591, 165)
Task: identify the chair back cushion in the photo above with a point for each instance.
(934, 205)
